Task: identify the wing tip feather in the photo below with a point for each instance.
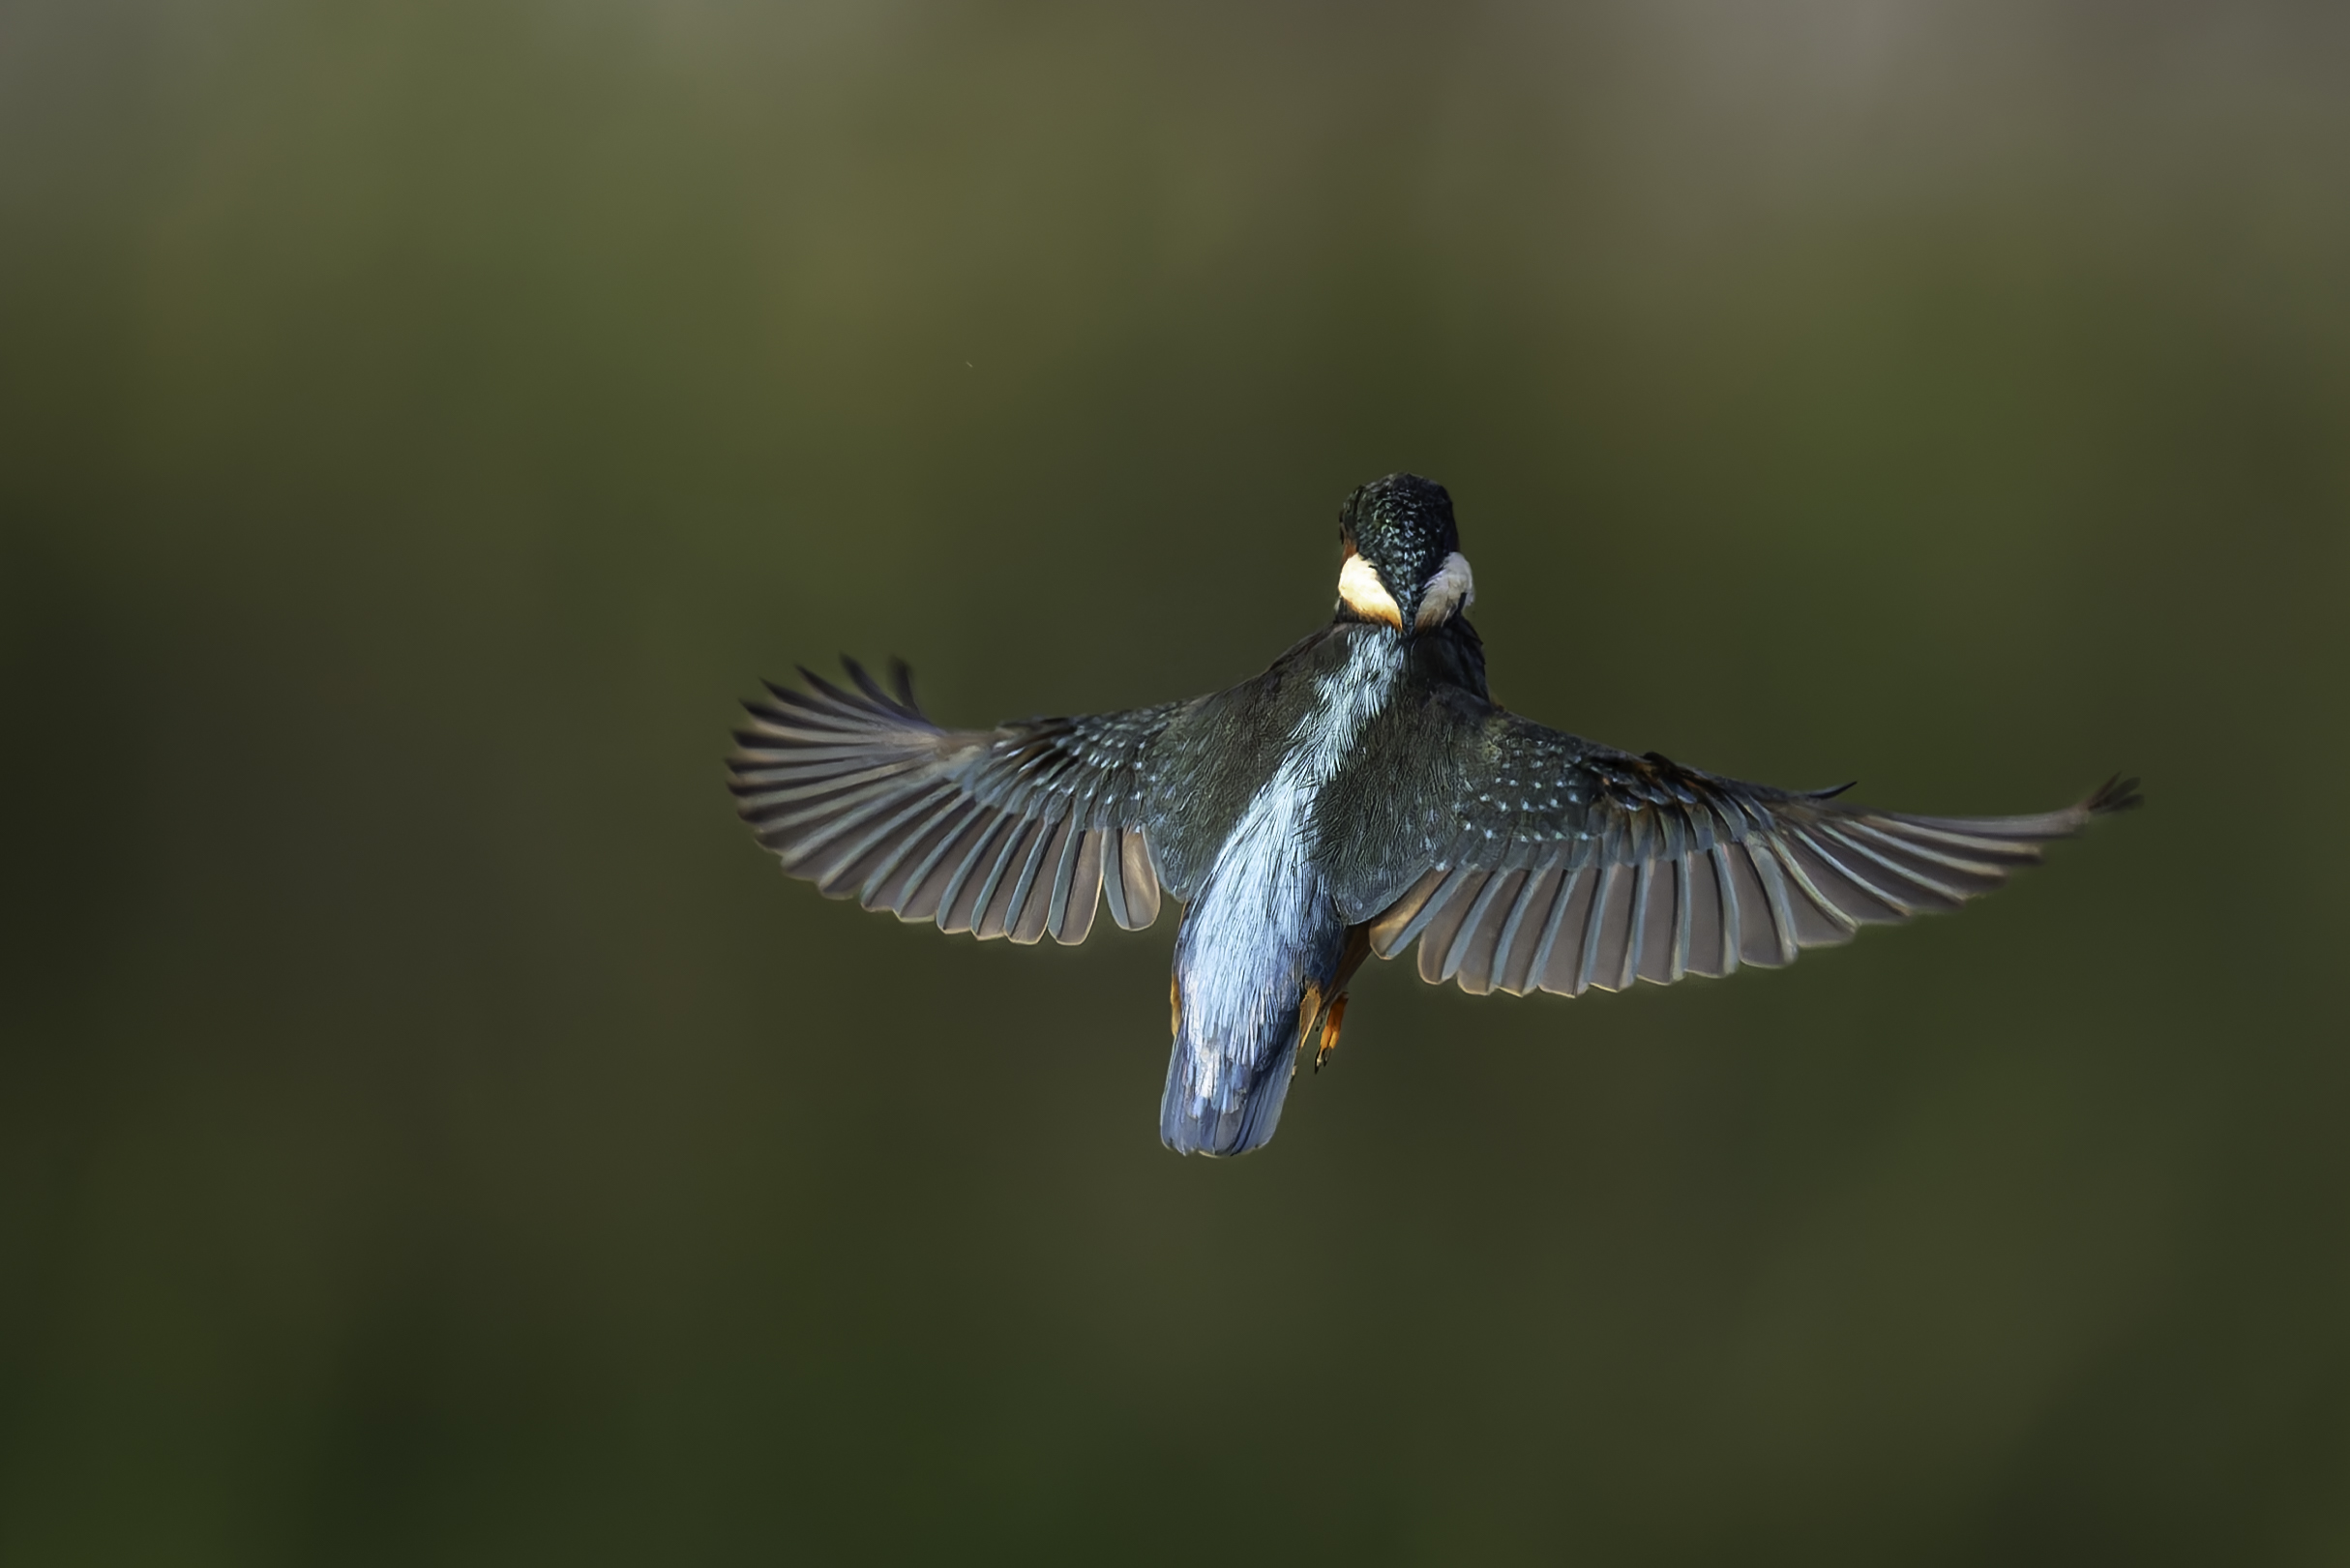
(2116, 794)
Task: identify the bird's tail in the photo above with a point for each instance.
(1242, 993)
(1231, 1116)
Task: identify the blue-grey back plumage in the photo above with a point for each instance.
(1262, 938)
(1360, 796)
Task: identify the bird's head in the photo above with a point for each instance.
(1404, 565)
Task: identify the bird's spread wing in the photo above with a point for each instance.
(1011, 832)
(1572, 866)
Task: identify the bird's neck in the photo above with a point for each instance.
(1451, 654)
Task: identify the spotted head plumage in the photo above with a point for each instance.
(1403, 565)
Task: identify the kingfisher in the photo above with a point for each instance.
(1361, 795)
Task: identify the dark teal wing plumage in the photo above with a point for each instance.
(1015, 831)
(1571, 866)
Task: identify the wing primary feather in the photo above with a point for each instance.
(828, 820)
(1771, 942)
(790, 753)
(1660, 922)
(867, 685)
(1030, 910)
(763, 751)
(763, 794)
(927, 885)
(1802, 911)
(1031, 907)
(1465, 941)
(1071, 850)
(1866, 903)
(1541, 881)
(797, 713)
(1553, 963)
(1064, 871)
(1636, 921)
(770, 806)
(957, 906)
(1612, 919)
(992, 912)
(1791, 864)
(1399, 914)
(848, 866)
(1436, 942)
(2016, 849)
(1903, 843)
(894, 812)
(1949, 896)
(838, 698)
(1114, 881)
(2116, 794)
(1682, 920)
(1704, 950)
(800, 709)
(1085, 901)
(1430, 907)
(824, 699)
(1141, 877)
(1726, 887)
(901, 676)
(877, 892)
(1594, 928)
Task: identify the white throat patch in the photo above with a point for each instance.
(1450, 591)
(1453, 589)
(1365, 595)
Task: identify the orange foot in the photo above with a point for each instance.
(1331, 1021)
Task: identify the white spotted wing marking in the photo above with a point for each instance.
(1569, 867)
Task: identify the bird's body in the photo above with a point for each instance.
(1279, 883)
(1361, 793)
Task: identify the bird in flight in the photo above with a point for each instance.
(1362, 794)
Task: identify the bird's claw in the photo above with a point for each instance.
(1330, 1022)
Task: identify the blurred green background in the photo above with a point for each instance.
(431, 1131)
